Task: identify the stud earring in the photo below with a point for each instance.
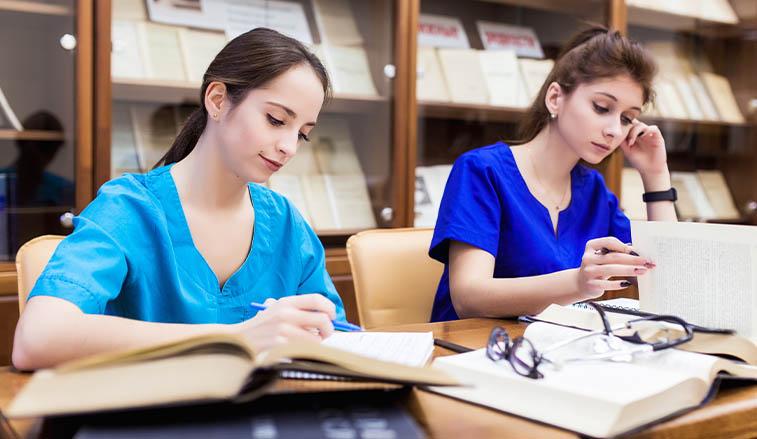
(215, 115)
(552, 116)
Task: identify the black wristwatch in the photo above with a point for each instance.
(668, 195)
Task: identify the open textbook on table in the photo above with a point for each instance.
(594, 398)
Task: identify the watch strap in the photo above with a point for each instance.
(668, 195)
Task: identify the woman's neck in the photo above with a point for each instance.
(552, 158)
(204, 180)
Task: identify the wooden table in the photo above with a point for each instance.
(733, 414)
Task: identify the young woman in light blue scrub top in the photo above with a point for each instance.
(184, 249)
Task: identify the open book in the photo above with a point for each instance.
(594, 398)
(196, 370)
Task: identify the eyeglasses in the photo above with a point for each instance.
(646, 334)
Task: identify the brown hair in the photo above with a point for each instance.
(590, 55)
(248, 61)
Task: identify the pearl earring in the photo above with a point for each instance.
(552, 116)
(215, 115)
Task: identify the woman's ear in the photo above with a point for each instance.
(554, 99)
(215, 97)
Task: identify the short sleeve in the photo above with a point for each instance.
(87, 269)
(314, 278)
(470, 210)
(620, 226)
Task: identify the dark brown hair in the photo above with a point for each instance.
(591, 54)
(248, 61)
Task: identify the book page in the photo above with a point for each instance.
(290, 186)
(123, 152)
(159, 45)
(349, 69)
(463, 76)
(534, 72)
(286, 17)
(8, 112)
(199, 48)
(303, 163)
(709, 112)
(669, 101)
(429, 83)
(687, 96)
(336, 22)
(425, 211)
(502, 75)
(441, 31)
(722, 95)
(408, 348)
(521, 39)
(332, 146)
(715, 187)
(125, 58)
(705, 273)
(348, 194)
(128, 10)
(154, 131)
(322, 212)
(692, 201)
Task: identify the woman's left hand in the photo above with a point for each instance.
(644, 148)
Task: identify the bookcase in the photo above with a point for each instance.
(124, 90)
(45, 130)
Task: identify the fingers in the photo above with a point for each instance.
(607, 245)
(613, 270)
(311, 302)
(608, 285)
(641, 130)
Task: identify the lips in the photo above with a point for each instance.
(601, 146)
(272, 165)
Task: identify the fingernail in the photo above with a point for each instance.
(640, 270)
(625, 283)
(649, 264)
(633, 253)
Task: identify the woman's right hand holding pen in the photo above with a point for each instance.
(605, 258)
(289, 318)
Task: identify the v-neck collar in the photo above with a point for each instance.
(164, 187)
(564, 214)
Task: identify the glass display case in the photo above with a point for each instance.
(45, 130)
(705, 104)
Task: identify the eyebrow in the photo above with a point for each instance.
(616, 99)
(289, 111)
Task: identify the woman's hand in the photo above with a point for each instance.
(306, 317)
(605, 258)
(644, 148)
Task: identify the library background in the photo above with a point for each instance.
(90, 89)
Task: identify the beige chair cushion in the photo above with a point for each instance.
(31, 259)
(395, 279)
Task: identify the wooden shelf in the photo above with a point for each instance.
(694, 123)
(674, 22)
(572, 7)
(33, 7)
(50, 136)
(177, 92)
(480, 113)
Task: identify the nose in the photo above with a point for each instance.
(287, 145)
(613, 130)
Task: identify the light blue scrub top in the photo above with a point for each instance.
(132, 255)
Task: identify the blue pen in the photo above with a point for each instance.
(339, 326)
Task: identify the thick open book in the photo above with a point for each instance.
(594, 398)
(197, 370)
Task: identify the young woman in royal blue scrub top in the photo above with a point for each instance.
(521, 227)
(184, 249)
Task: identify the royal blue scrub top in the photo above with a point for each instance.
(131, 255)
(487, 204)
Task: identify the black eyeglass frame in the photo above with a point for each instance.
(657, 346)
(500, 335)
